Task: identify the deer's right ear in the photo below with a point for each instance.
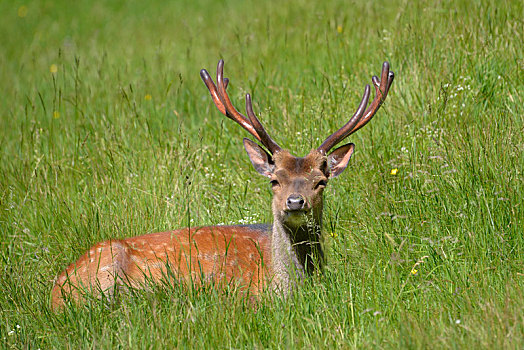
(262, 161)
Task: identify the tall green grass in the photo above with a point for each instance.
(108, 132)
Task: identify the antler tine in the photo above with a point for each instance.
(354, 124)
(381, 92)
(271, 145)
(222, 101)
(213, 90)
(344, 131)
(230, 109)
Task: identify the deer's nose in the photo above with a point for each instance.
(295, 202)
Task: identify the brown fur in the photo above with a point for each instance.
(194, 256)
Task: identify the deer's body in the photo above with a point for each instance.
(251, 257)
(195, 256)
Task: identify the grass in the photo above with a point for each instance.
(108, 132)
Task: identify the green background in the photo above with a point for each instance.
(108, 132)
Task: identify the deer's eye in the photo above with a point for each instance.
(321, 183)
(274, 183)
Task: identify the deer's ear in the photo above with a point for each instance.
(338, 159)
(262, 161)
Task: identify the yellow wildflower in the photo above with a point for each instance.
(56, 114)
(393, 171)
(22, 11)
(339, 29)
(334, 234)
(414, 271)
(53, 68)
(148, 97)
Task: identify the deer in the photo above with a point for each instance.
(254, 257)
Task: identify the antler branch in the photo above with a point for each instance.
(361, 118)
(224, 105)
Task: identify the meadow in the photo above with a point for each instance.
(107, 131)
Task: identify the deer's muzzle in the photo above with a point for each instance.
(295, 202)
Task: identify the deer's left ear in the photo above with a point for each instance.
(338, 159)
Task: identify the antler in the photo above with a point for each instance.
(224, 105)
(361, 118)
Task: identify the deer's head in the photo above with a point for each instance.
(297, 182)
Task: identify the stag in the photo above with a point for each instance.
(251, 257)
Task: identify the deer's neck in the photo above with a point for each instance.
(296, 251)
